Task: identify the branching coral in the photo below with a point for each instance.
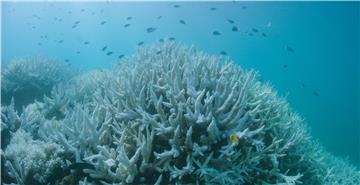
(174, 115)
(31, 160)
(27, 79)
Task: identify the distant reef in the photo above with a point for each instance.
(168, 114)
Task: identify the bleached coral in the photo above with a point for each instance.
(31, 159)
(27, 79)
(166, 115)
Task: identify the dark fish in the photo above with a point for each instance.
(159, 17)
(109, 53)
(171, 38)
(121, 56)
(33, 27)
(140, 43)
(61, 41)
(223, 52)
(254, 30)
(182, 22)
(230, 21)
(103, 22)
(235, 28)
(82, 10)
(303, 85)
(67, 60)
(92, 13)
(161, 40)
(315, 93)
(176, 6)
(78, 52)
(128, 18)
(81, 166)
(69, 12)
(263, 34)
(250, 34)
(213, 9)
(104, 48)
(285, 66)
(150, 29)
(74, 26)
(158, 52)
(216, 33)
(86, 42)
(290, 49)
(126, 25)
(76, 22)
(39, 44)
(244, 7)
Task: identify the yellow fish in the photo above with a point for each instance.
(234, 139)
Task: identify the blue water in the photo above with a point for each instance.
(319, 78)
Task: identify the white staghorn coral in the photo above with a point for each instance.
(169, 118)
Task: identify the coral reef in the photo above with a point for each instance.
(170, 115)
(27, 79)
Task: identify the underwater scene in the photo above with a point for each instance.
(160, 93)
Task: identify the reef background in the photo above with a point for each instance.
(323, 35)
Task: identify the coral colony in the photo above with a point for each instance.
(179, 116)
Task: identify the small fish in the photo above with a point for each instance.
(231, 21)
(33, 27)
(315, 93)
(104, 48)
(159, 17)
(212, 9)
(80, 166)
(303, 85)
(109, 53)
(285, 66)
(67, 60)
(127, 25)
(288, 48)
(234, 139)
(182, 22)
(39, 44)
(250, 34)
(161, 40)
(176, 6)
(76, 22)
(74, 26)
(82, 10)
(244, 7)
(78, 52)
(235, 28)
(128, 18)
(61, 41)
(216, 33)
(254, 30)
(102, 22)
(86, 42)
(223, 52)
(121, 56)
(158, 52)
(69, 12)
(150, 29)
(263, 34)
(172, 38)
(140, 43)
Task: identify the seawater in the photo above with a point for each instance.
(309, 51)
